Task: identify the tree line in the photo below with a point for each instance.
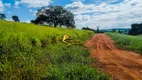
(56, 16)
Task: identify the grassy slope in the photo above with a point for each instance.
(31, 52)
(133, 43)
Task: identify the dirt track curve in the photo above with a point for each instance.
(120, 64)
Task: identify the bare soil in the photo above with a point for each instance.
(120, 64)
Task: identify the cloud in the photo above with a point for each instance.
(77, 0)
(107, 15)
(9, 19)
(17, 4)
(36, 3)
(1, 6)
(8, 5)
(30, 10)
(106, 1)
(111, 1)
(27, 21)
(75, 6)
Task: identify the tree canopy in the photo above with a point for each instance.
(56, 16)
(2, 16)
(136, 29)
(15, 18)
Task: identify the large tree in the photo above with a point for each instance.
(2, 16)
(15, 18)
(136, 29)
(55, 15)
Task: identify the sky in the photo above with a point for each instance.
(105, 14)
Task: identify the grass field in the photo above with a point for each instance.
(31, 52)
(133, 43)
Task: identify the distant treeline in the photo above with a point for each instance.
(96, 31)
(136, 29)
(87, 28)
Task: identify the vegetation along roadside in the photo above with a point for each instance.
(32, 52)
(128, 42)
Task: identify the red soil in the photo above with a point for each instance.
(120, 64)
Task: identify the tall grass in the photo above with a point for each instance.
(31, 52)
(128, 42)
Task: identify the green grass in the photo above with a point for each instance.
(31, 52)
(133, 43)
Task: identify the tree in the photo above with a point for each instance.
(2, 16)
(98, 30)
(136, 29)
(15, 18)
(119, 31)
(55, 15)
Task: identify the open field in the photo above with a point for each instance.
(31, 52)
(120, 64)
(133, 43)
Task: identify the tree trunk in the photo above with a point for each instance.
(55, 25)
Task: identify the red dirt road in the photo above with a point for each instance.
(120, 64)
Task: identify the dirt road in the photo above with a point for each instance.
(120, 64)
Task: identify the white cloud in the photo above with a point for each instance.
(30, 10)
(1, 6)
(8, 5)
(17, 4)
(106, 1)
(77, 0)
(107, 15)
(9, 19)
(36, 3)
(27, 21)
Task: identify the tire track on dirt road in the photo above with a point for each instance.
(120, 64)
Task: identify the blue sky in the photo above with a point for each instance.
(91, 13)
